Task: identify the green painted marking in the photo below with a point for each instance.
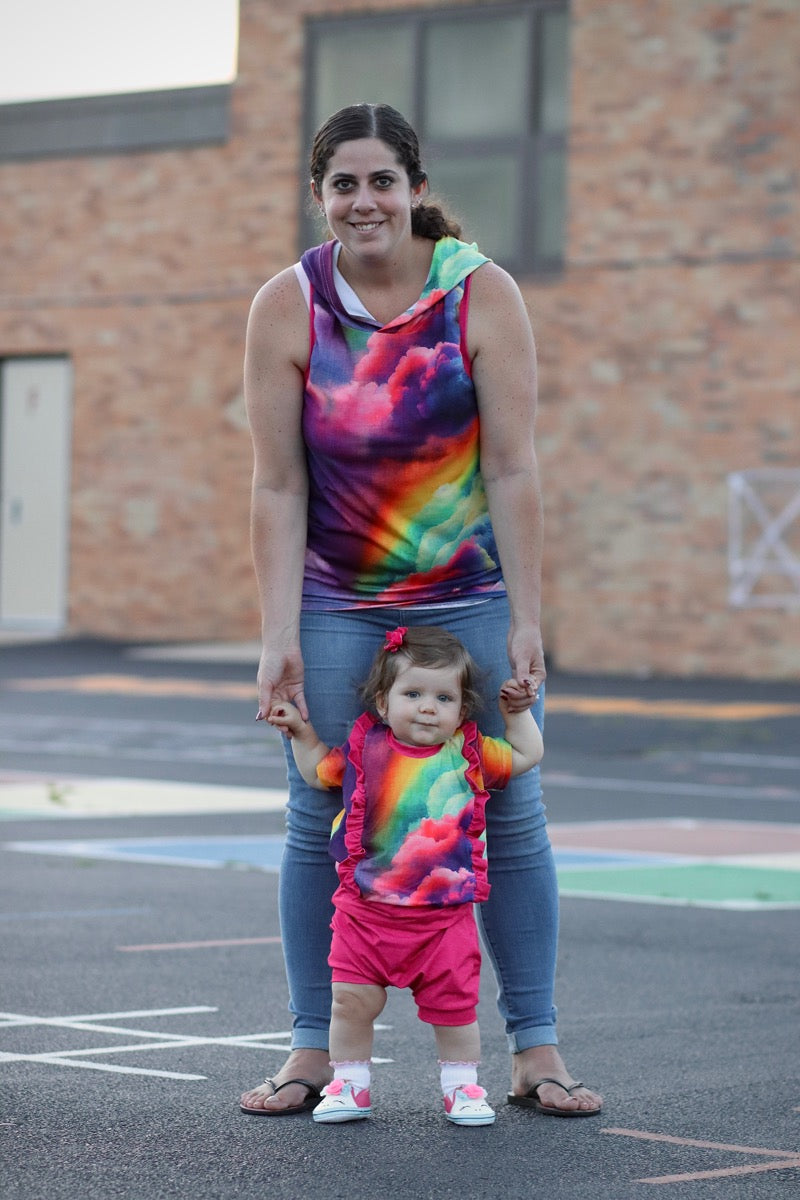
(692, 883)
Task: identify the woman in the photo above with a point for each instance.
(390, 381)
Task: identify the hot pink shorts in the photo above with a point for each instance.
(439, 961)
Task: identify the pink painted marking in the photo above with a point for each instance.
(721, 1172)
(699, 839)
(645, 1136)
(783, 1159)
(256, 941)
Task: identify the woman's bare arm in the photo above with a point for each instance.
(275, 356)
(504, 370)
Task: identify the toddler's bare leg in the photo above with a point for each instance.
(355, 1008)
(458, 1043)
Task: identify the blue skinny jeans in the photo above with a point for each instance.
(519, 921)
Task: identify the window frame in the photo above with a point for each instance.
(529, 147)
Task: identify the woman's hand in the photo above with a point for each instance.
(280, 677)
(526, 656)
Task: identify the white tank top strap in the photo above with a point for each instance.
(304, 281)
(348, 297)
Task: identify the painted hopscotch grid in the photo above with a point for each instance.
(146, 1040)
(150, 1040)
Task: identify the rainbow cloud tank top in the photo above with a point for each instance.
(397, 509)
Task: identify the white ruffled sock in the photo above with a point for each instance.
(357, 1073)
(456, 1074)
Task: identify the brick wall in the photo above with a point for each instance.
(670, 350)
(668, 347)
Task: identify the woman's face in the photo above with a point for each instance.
(366, 198)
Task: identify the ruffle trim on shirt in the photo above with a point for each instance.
(474, 777)
(355, 813)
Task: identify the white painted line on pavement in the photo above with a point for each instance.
(19, 1019)
(275, 1040)
(99, 797)
(54, 1060)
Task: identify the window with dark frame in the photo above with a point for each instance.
(486, 90)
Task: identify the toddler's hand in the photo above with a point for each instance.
(284, 716)
(516, 696)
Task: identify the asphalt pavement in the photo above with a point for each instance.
(141, 818)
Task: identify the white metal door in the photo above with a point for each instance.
(35, 423)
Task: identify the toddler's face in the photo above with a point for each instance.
(423, 706)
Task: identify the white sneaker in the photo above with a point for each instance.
(467, 1106)
(343, 1102)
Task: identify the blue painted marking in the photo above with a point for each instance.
(74, 912)
(264, 853)
(611, 858)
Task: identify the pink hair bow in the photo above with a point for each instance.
(394, 639)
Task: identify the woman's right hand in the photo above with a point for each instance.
(281, 676)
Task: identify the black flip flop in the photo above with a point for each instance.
(531, 1100)
(311, 1100)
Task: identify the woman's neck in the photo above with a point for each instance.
(386, 287)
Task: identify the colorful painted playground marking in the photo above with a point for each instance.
(744, 865)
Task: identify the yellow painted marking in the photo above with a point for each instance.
(593, 706)
(137, 685)
(690, 710)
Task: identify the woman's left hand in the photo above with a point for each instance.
(526, 655)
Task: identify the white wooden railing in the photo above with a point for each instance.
(764, 538)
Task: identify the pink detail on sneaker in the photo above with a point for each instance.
(359, 1096)
(471, 1090)
(342, 1101)
(466, 1105)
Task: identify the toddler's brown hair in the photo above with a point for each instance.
(423, 646)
